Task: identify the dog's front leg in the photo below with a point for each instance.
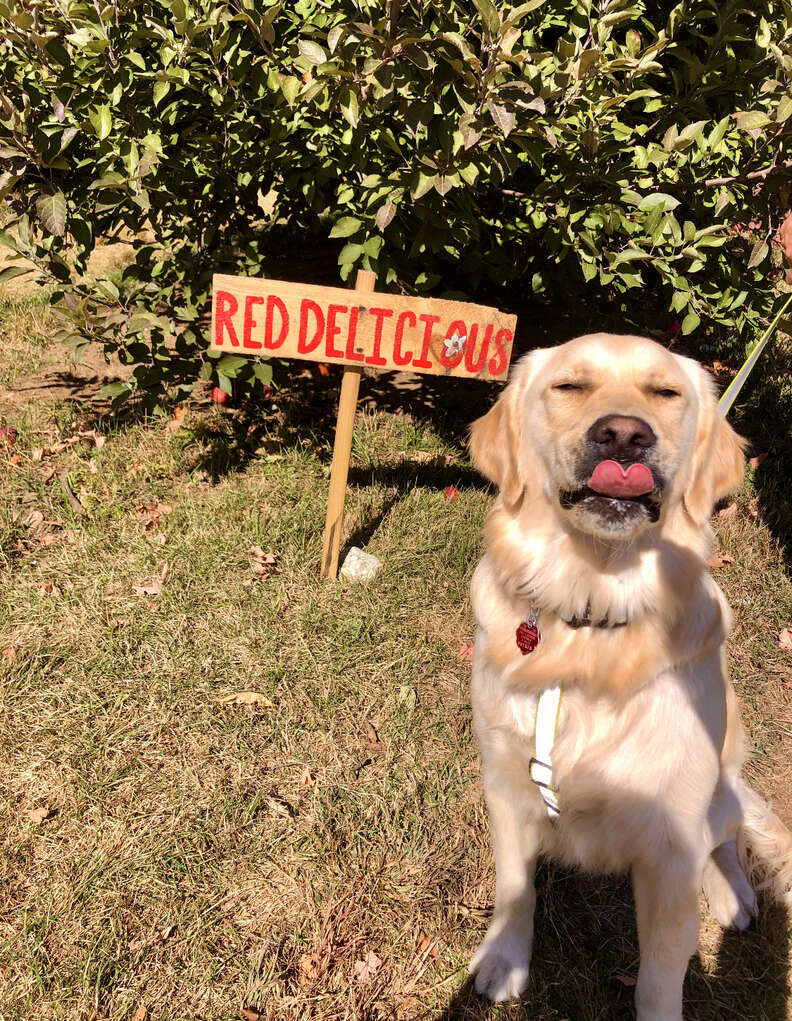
(502, 962)
(667, 906)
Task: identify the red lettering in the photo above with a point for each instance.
(250, 322)
(305, 346)
(226, 306)
(273, 302)
(458, 329)
(351, 354)
(398, 357)
(423, 362)
(333, 329)
(381, 315)
(498, 364)
(477, 366)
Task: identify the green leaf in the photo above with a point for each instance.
(384, 215)
(161, 89)
(759, 253)
(229, 365)
(489, 15)
(689, 323)
(751, 120)
(349, 106)
(659, 200)
(312, 51)
(113, 390)
(502, 116)
(13, 271)
(51, 210)
(345, 227)
(101, 120)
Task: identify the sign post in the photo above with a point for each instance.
(276, 318)
(342, 449)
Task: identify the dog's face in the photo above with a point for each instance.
(614, 429)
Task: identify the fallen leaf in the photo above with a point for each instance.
(785, 639)
(33, 519)
(37, 454)
(38, 815)
(150, 605)
(49, 538)
(251, 1014)
(141, 1014)
(626, 980)
(311, 966)
(366, 969)
(176, 420)
(408, 1009)
(450, 493)
(151, 589)
(728, 512)
(244, 698)
(760, 459)
(465, 651)
(373, 742)
(307, 779)
(720, 560)
(265, 564)
(8, 435)
(10, 652)
(119, 622)
(48, 588)
(150, 941)
(93, 467)
(753, 512)
(323, 368)
(425, 457)
(425, 947)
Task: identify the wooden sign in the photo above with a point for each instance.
(356, 329)
(385, 331)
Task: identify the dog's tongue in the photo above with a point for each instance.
(610, 479)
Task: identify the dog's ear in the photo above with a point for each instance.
(495, 446)
(718, 459)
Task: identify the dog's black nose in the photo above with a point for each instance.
(622, 437)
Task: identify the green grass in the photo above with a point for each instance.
(202, 858)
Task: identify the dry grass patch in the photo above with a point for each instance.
(318, 849)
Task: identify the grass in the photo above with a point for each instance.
(169, 855)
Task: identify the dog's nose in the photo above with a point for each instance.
(622, 437)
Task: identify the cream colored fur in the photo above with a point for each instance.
(649, 744)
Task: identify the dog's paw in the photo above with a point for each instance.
(501, 965)
(730, 896)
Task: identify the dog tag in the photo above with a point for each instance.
(528, 634)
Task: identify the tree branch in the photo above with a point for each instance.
(755, 175)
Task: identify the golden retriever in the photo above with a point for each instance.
(609, 454)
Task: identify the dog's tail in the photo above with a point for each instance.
(764, 845)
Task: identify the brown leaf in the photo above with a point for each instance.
(366, 969)
(373, 743)
(323, 368)
(10, 652)
(176, 421)
(426, 947)
(244, 698)
(307, 779)
(450, 493)
(151, 589)
(264, 564)
(409, 1009)
(150, 941)
(141, 1014)
(720, 560)
(760, 459)
(49, 538)
(37, 454)
(728, 512)
(251, 1014)
(119, 622)
(38, 815)
(785, 639)
(311, 967)
(465, 651)
(48, 588)
(626, 980)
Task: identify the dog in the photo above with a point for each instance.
(609, 731)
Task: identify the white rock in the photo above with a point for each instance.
(360, 566)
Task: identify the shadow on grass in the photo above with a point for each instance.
(585, 962)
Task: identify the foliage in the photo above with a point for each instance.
(459, 145)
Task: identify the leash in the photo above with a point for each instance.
(548, 705)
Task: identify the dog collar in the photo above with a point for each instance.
(586, 621)
(548, 707)
(528, 634)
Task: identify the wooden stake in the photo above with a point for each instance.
(342, 448)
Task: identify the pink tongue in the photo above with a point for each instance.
(610, 479)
